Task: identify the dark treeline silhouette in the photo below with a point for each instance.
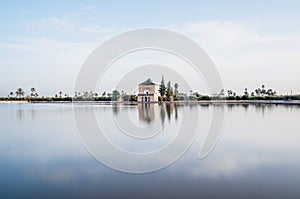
(167, 93)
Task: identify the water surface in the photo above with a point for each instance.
(257, 155)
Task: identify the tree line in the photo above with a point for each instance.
(167, 92)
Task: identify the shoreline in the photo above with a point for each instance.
(14, 102)
(210, 102)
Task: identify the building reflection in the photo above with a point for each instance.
(147, 112)
(150, 112)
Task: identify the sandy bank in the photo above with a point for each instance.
(14, 102)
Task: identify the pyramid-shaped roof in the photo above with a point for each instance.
(148, 82)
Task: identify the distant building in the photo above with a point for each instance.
(148, 91)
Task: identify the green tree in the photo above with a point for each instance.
(91, 94)
(11, 94)
(115, 95)
(222, 92)
(169, 85)
(246, 92)
(86, 94)
(258, 91)
(176, 91)
(263, 90)
(20, 92)
(169, 92)
(270, 92)
(133, 98)
(123, 93)
(32, 90)
(162, 87)
(176, 88)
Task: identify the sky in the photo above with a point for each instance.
(44, 44)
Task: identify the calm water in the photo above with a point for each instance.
(257, 155)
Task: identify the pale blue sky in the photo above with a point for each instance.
(43, 44)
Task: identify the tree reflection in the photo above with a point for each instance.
(115, 109)
(148, 112)
(169, 109)
(162, 114)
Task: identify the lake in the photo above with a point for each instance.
(43, 156)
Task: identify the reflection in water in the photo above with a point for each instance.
(32, 113)
(259, 148)
(169, 109)
(176, 112)
(149, 112)
(162, 114)
(20, 114)
(115, 109)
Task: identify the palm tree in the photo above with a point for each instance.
(176, 86)
(263, 91)
(11, 94)
(258, 91)
(20, 93)
(32, 90)
(85, 94)
(270, 92)
(222, 92)
(91, 95)
(123, 94)
(246, 92)
(191, 92)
